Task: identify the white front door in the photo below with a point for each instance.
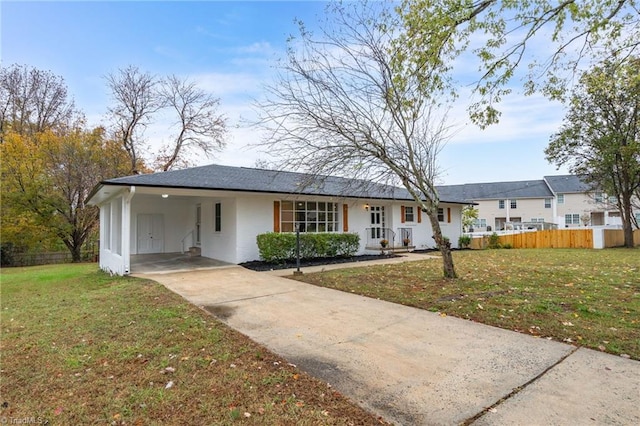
(377, 222)
(150, 233)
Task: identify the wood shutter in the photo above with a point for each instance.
(448, 214)
(345, 218)
(401, 214)
(276, 216)
(419, 215)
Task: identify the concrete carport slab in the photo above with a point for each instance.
(413, 366)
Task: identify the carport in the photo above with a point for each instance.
(162, 263)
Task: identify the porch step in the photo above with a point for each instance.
(194, 251)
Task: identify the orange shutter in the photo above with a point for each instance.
(401, 214)
(449, 214)
(345, 218)
(419, 215)
(276, 216)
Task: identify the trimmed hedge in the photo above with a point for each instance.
(276, 246)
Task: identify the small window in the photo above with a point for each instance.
(514, 204)
(408, 214)
(440, 215)
(613, 200)
(218, 217)
(198, 222)
(537, 220)
(572, 219)
(501, 204)
(560, 198)
(547, 203)
(599, 198)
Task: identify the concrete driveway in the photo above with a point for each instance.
(416, 367)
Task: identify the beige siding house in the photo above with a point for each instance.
(563, 201)
(506, 204)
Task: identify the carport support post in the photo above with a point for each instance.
(297, 271)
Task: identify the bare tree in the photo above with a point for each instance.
(135, 101)
(138, 96)
(348, 103)
(32, 100)
(198, 123)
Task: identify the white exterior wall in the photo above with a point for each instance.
(254, 215)
(178, 219)
(114, 250)
(219, 245)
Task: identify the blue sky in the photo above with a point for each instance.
(229, 48)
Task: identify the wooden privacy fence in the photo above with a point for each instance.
(560, 238)
(615, 237)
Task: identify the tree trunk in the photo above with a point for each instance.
(627, 227)
(444, 245)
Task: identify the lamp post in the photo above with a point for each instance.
(297, 271)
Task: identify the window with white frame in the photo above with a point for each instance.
(560, 198)
(310, 216)
(572, 219)
(501, 204)
(440, 215)
(547, 203)
(107, 226)
(480, 223)
(613, 199)
(537, 220)
(408, 214)
(599, 197)
(513, 204)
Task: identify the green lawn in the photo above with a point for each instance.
(81, 347)
(589, 298)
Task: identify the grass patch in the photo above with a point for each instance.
(589, 298)
(82, 347)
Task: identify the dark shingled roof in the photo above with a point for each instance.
(227, 178)
(496, 190)
(567, 184)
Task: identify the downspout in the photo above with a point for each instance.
(126, 229)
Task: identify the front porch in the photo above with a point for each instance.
(386, 240)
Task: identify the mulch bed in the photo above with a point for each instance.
(258, 265)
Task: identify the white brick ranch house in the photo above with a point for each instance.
(221, 209)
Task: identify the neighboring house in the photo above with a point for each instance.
(501, 204)
(564, 201)
(578, 205)
(220, 210)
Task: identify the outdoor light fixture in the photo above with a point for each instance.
(366, 207)
(165, 195)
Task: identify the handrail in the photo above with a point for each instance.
(185, 237)
(376, 234)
